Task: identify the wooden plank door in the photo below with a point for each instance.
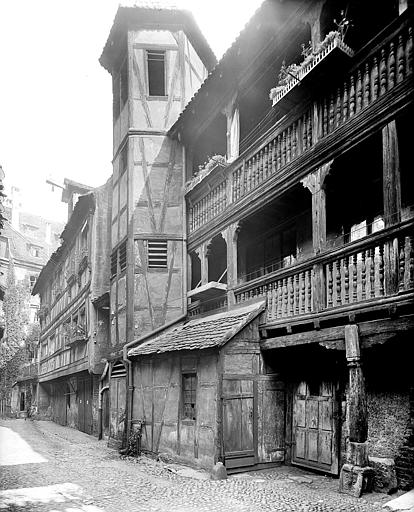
(239, 423)
(117, 407)
(315, 426)
(88, 407)
(81, 405)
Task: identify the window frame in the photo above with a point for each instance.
(156, 51)
(192, 389)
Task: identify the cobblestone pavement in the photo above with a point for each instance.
(46, 467)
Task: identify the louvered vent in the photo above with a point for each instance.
(122, 255)
(118, 370)
(157, 253)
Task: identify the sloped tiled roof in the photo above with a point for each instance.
(154, 15)
(208, 332)
(19, 246)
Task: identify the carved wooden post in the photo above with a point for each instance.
(356, 476)
(392, 202)
(391, 175)
(203, 254)
(314, 183)
(230, 235)
(357, 403)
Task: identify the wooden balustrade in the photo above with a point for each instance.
(208, 207)
(378, 267)
(372, 78)
(286, 296)
(216, 305)
(388, 64)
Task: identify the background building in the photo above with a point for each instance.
(74, 315)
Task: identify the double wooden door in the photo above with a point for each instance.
(315, 426)
(85, 405)
(239, 422)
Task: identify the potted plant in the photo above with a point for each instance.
(293, 74)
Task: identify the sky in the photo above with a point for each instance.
(56, 99)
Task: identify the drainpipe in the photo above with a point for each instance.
(128, 361)
(105, 388)
(101, 390)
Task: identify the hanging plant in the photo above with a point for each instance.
(290, 75)
(205, 169)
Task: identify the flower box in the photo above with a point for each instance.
(215, 162)
(331, 53)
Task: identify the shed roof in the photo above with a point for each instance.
(209, 332)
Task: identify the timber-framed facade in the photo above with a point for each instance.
(261, 250)
(74, 317)
(309, 209)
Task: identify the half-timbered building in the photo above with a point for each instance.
(158, 58)
(74, 317)
(262, 243)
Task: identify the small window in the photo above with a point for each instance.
(123, 159)
(84, 237)
(124, 83)
(157, 254)
(156, 73)
(189, 396)
(32, 281)
(35, 251)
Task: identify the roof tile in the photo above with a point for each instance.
(208, 332)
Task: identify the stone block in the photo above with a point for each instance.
(385, 476)
(355, 480)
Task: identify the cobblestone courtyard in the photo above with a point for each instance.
(46, 467)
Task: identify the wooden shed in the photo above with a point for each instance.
(201, 390)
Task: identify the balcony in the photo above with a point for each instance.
(375, 271)
(330, 56)
(28, 371)
(381, 73)
(76, 334)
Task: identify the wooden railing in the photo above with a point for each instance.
(373, 268)
(209, 306)
(28, 370)
(208, 207)
(377, 70)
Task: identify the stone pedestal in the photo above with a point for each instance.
(385, 476)
(355, 480)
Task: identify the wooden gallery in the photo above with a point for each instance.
(261, 232)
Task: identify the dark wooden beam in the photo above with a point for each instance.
(371, 333)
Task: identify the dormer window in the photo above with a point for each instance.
(156, 73)
(34, 251)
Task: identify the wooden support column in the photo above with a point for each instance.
(202, 253)
(357, 401)
(392, 203)
(314, 182)
(391, 175)
(230, 234)
(356, 476)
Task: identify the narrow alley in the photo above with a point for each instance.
(47, 467)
